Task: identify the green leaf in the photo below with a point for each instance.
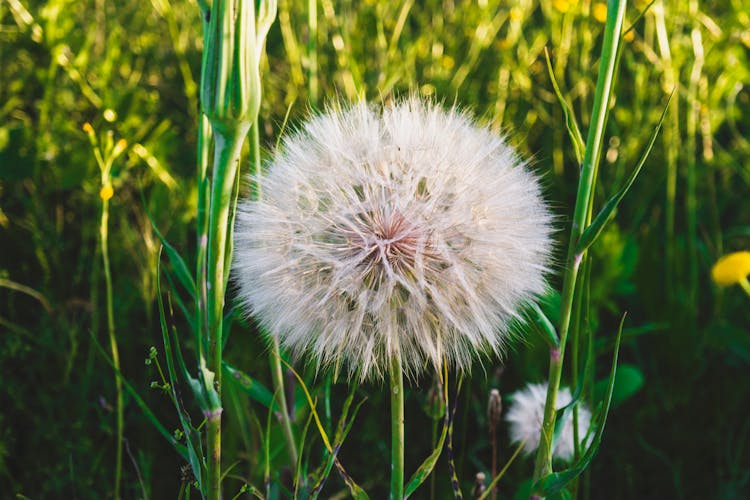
(570, 118)
(192, 437)
(556, 481)
(178, 265)
(342, 430)
(543, 325)
(594, 230)
(257, 391)
(629, 380)
(300, 474)
(425, 469)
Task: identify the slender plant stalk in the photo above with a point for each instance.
(312, 50)
(277, 371)
(671, 146)
(586, 185)
(397, 426)
(120, 409)
(277, 375)
(691, 201)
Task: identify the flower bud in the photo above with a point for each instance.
(479, 486)
(494, 410)
(230, 91)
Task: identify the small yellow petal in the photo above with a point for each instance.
(106, 192)
(599, 11)
(515, 14)
(629, 36)
(120, 147)
(88, 128)
(731, 269)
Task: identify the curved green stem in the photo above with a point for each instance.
(586, 184)
(397, 426)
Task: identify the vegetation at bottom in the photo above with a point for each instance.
(130, 69)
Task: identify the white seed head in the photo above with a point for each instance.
(526, 414)
(407, 229)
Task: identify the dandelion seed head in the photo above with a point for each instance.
(408, 229)
(526, 414)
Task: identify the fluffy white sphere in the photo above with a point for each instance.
(526, 413)
(405, 229)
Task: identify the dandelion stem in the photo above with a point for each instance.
(397, 426)
(589, 167)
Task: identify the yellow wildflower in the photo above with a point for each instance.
(629, 35)
(515, 14)
(119, 147)
(731, 269)
(106, 192)
(599, 11)
(562, 5)
(88, 128)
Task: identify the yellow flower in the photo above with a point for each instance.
(731, 269)
(629, 35)
(88, 128)
(599, 12)
(562, 5)
(515, 14)
(119, 147)
(106, 192)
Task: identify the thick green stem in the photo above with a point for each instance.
(227, 147)
(397, 426)
(120, 410)
(605, 79)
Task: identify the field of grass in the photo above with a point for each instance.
(99, 113)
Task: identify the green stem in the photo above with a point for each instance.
(227, 147)
(312, 50)
(205, 137)
(691, 201)
(104, 234)
(616, 13)
(277, 375)
(397, 426)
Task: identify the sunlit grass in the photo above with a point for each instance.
(134, 69)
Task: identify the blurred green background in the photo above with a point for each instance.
(679, 428)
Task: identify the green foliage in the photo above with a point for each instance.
(130, 69)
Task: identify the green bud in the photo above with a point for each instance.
(230, 89)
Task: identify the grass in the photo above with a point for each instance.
(133, 71)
